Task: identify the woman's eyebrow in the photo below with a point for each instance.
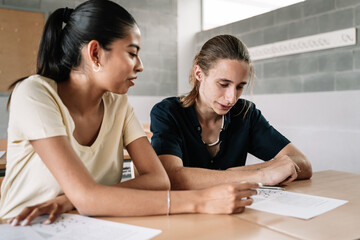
(135, 46)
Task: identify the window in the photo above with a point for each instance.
(220, 12)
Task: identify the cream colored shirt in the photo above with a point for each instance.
(37, 112)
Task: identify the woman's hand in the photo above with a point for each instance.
(226, 199)
(53, 207)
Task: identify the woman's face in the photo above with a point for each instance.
(122, 63)
(221, 88)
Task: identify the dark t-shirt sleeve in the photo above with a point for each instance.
(166, 138)
(265, 141)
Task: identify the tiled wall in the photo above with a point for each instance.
(328, 70)
(158, 24)
(157, 20)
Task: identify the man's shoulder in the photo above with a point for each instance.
(167, 104)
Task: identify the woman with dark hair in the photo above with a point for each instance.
(203, 138)
(70, 122)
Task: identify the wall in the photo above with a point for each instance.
(328, 70)
(312, 98)
(324, 125)
(187, 29)
(188, 24)
(157, 20)
(159, 54)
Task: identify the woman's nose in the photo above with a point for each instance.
(139, 66)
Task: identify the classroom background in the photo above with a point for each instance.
(312, 97)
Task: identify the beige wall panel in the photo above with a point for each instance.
(20, 33)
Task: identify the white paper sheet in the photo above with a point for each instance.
(2, 153)
(293, 204)
(73, 226)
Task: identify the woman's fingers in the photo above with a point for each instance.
(239, 210)
(53, 207)
(53, 215)
(240, 196)
(247, 185)
(37, 212)
(246, 202)
(23, 215)
(243, 196)
(30, 213)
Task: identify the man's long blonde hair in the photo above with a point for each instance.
(218, 47)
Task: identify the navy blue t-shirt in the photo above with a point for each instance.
(177, 131)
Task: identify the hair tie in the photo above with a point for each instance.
(66, 14)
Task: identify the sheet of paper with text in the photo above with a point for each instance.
(73, 226)
(293, 204)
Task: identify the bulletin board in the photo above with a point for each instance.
(20, 33)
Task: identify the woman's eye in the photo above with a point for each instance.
(239, 87)
(133, 54)
(223, 85)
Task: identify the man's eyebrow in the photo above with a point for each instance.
(227, 80)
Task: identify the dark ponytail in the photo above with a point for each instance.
(66, 31)
(60, 47)
(50, 53)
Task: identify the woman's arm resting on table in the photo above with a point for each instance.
(152, 175)
(89, 197)
(221, 199)
(94, 199)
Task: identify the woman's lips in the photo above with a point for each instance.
(132, 83)
(224, 107)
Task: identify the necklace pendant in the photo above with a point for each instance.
(218, 140)
(212, 144)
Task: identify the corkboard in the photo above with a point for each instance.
(20, 33)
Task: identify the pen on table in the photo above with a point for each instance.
(261, 186)
(272, 188)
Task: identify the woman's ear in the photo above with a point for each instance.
(93, 53)
(198, 73)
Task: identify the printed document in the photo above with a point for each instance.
(2, 153)
(73, 226)
(293, 204)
